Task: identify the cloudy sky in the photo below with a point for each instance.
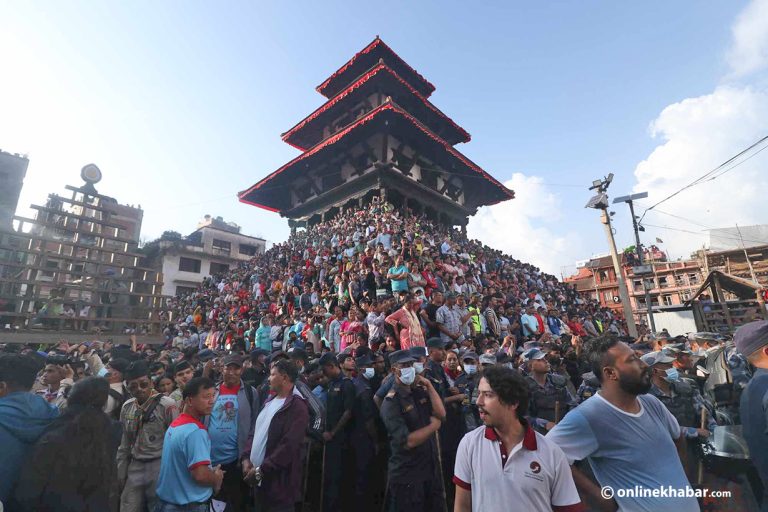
(181, 105)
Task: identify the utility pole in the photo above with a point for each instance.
(600, 202)
(746, 256)
(640, 268)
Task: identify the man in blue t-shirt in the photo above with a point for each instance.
(186, 477)
(230, 427)
(628, 436)
(398, 275)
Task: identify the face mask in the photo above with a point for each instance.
(407, 375)
(470, 369)
(672, 374)
(369, 373)
(419, 367)
(455, 351)
(103, 372)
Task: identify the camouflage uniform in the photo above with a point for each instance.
(589, 386)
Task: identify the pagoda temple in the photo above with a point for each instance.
(378, 137)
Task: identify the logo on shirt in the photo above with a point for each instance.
(535, 467)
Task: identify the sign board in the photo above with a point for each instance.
(642, 269)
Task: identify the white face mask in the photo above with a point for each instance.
(455, 351)
(103, 372)
(470, 369)
(407, 375)
(369, 373)
(419, 367)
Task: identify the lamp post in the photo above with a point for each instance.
(640, 269)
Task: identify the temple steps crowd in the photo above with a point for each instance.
(364, 364)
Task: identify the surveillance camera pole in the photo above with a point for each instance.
(623, 292)
(648, 303)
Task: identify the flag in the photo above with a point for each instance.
(659, 240)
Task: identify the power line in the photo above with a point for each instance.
(761, 242)
(711, 175)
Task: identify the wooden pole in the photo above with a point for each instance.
(700, 475)
(557, 412)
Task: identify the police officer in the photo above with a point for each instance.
(338, 414)
(547, 389)
(412, 412)
(434, 367)
(467, 384)
(364, 436)
(751, 340)
(588, 387)
(682, 398)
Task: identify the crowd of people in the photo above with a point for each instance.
(377, 359)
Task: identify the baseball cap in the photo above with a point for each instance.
(235, 359)
(658, 357)
(435, 343)
(401, 357)
(533, 353)
(487, 359)
(751, 337)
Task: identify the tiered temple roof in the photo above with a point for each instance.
(377, 134)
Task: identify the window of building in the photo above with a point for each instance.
(221, 247)
(663, 282)
(667, 300)
(219, 268)
(52, 264)
(684, 296)
(603, 276)
(680, 280)
(189, 265)
(693, 278)
(184, 290)
(638, 284)
(608, 296)
(248, 250)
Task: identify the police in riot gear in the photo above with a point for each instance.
(589, 386)
(547, 389)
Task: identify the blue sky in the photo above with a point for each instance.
(181, 104)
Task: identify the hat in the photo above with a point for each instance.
(677, 348)
(329, 358)
(364, 360)
(469, 355)
(708, 337)
(533, 353)
(259, 352)
(531, 344)
(435, 343)
(206, 354)
(417, 352)
(658, 357)
(298, 353)
(751, 337)
(487, 359)
(235, 359)
(450, 295)
(642, 347)
(401, 357)
(278, 353)
(119, 364)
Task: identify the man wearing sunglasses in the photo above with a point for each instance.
(144, 418)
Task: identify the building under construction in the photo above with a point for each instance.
(74, 267)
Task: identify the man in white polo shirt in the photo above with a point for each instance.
(505, 463)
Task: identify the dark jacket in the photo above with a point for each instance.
(284, 456)
(23, 419)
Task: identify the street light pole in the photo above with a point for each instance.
(605, 218)
(648, 303)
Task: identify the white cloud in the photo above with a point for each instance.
(749, 49)
(520, 227)
(698, 134)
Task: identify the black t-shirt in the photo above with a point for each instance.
(431, 310)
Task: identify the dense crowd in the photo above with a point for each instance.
(369, 361)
